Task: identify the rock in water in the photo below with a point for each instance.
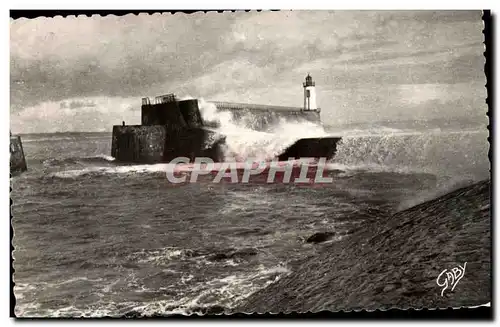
(395, 262)
(320, 237)
(241, 253)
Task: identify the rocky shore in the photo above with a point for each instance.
(395, 262)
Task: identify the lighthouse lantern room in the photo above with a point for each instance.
(310, 94)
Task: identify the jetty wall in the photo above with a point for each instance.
(191, 113)
(173, 114)
(159, 143)
(170, 129)
(137, 143)
(162, 143)
(17, 159)
(186, 113)
(168, 114)
(263, 117)
(221, 105)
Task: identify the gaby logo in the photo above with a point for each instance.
(449, 278)
(303, 170)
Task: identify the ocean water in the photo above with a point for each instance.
(93, 237)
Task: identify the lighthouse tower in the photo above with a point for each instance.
(310, 94)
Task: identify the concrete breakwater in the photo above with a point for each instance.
(171, 128)
(395, 261)
(261, 117)
(163, 143)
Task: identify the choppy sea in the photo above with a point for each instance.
(93, 237)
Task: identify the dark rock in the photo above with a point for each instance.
(321, 147)
(219, 257)
(231, 254)
(320, 237)
(245, 252)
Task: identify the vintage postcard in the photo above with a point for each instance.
(241, 162)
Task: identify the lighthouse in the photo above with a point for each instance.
(310, 94)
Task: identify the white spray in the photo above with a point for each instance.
(243, 142)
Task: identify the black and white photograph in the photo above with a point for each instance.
(274, 161)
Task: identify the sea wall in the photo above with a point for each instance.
(174, 114)
(190, 113)
(174, 129)
(254, 107)
(136, 143)
(17, 159)
(267, 120)
(263, 117)
(162, 143)
(193, 143)
(186, 113)
(168, 114)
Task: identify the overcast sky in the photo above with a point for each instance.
(86, 74)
